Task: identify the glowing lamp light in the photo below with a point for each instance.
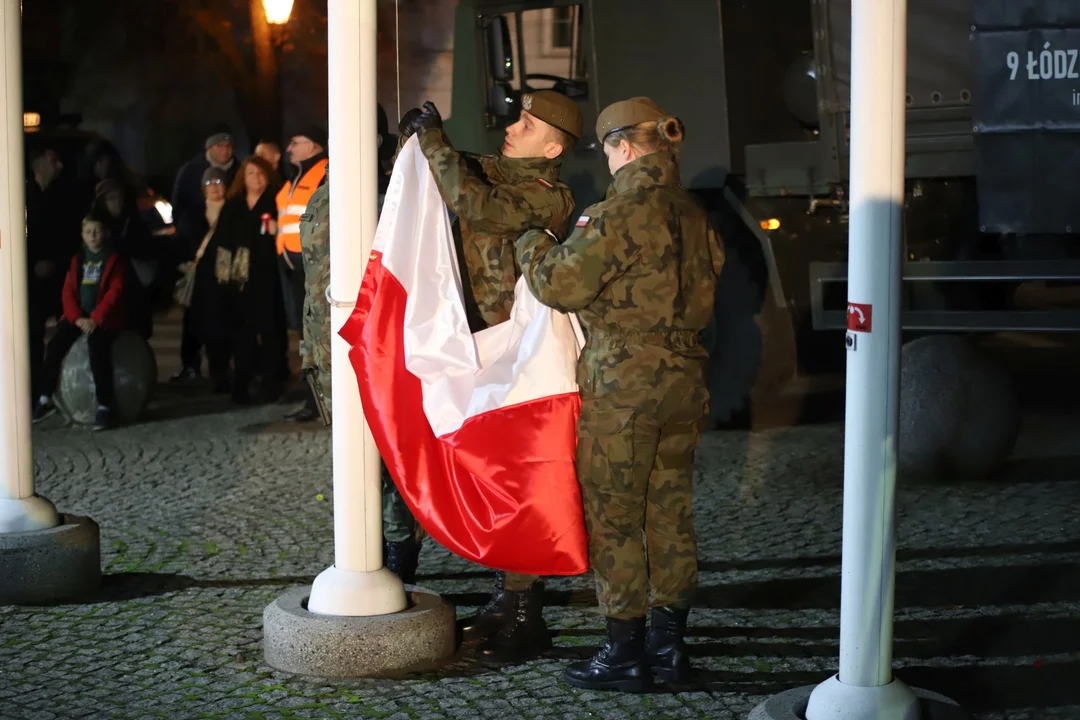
(164, 209)
(31, 120)
(770, 224)
(277, 11)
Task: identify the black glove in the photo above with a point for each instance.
(406, 126)
(430, 119)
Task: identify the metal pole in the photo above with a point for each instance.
(864, 688)
(20, 509)
(357, 583)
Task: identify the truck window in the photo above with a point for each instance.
(546, 52)
(552, 48)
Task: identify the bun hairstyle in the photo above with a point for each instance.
(671, 131)
(663, 135)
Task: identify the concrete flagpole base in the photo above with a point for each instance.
(420, 637)
(45, 566)
(837, 701)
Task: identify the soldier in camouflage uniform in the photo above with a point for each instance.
(495, 198)
(315, 245)
(400, 531)
(639, 270)
(402, 535)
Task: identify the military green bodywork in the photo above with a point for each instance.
(763, 88)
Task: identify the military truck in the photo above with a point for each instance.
(993, 95)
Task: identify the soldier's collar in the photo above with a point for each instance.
(523, 169)
(657, 168)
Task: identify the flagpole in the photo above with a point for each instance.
(875, 257)
(20, 509)
(357, 584)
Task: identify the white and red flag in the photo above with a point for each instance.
(478, 430)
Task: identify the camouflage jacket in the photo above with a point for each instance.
(640, 269)
(496, 199)
(315, 244)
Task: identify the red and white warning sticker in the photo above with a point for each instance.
(859, 317)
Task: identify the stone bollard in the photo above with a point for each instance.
(959, 412)
(134, 373)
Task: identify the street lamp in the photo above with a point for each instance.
(277, 11)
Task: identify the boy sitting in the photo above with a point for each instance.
(92, 292)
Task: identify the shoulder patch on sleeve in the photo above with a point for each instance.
(544, 182)
(582, 221)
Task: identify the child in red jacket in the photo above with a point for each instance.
(92, 292)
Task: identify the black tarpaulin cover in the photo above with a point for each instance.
(1026, 103)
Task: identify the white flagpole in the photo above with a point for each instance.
(864, 689)
(357, 584)
(20, 509)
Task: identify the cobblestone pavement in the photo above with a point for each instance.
(206, 519)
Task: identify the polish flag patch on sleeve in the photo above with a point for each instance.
(544, 182)
(582, 221)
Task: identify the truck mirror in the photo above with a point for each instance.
(502, 100)
(500, 52)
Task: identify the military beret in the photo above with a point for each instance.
(627, 113)
(555, 109)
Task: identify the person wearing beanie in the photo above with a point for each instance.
(189, 217)
(308, 156)
(496, 198)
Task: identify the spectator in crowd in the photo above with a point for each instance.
(189, 217)
(209, 303)
(101, 162)
(271, 153)
(130, 238)
(52, 230)
(93, 305)
(245, 248)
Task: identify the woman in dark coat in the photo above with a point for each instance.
(246, 261)
(206, 314)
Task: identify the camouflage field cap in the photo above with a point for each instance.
(555, 109)
(627, 113)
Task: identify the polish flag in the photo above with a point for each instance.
(477, 430)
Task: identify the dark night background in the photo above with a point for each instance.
(152, 77)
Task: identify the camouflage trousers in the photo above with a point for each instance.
(399, 525)
(315, 341)
(635, 463)
(398, 522)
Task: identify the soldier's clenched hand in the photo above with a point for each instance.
(407, 126)
(430, 119)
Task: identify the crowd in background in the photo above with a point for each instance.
(233, 262)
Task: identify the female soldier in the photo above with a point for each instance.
(640, 270)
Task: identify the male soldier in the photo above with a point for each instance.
(496, 198)
(315, 341)
(402, 535)
(400, 530)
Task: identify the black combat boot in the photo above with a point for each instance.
(665, 650)
(524, 634)
(620, 665)
(488, 619)
(401, 558)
